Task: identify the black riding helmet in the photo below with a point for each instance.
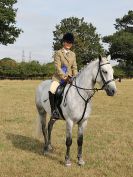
(68, 37)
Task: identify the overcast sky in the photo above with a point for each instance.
(38, 18)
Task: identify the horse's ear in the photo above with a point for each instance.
(109, 57)
(100, 57)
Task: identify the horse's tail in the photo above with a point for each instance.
(41, 122)
(41, 119)
(38, 127)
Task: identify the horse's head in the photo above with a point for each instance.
(104, 76)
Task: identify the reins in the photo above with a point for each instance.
(85, 100)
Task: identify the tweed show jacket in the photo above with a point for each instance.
(69, 60)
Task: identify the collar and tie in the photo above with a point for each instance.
(66, 54)
(66, 51)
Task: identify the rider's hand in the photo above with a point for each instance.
(65, 78)
(70, 79)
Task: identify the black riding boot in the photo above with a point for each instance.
(53, 106)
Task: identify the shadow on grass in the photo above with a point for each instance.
(25, 143)
(32, 145)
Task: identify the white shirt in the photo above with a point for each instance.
(66, 51)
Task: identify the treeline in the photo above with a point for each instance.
(123, 71)
(10, 69)
(87, 45)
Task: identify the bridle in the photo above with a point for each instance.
(101, 74)
(105, 83)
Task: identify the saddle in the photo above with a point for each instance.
(59, 94)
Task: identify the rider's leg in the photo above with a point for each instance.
(52, 91)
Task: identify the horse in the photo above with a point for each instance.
(76, 104)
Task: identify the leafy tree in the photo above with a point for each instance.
(25, 70)
(7, 63)
(7, 66)
(119, 72)
(87, 42)
(121, 42)
(125, 23)
(8, 31)
(32, 68)
(50, 69)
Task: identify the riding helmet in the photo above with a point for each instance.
(68, 37)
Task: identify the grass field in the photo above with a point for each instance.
(108, 140)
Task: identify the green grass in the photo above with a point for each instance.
(108, 140)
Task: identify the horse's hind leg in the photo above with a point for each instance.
(50, 127)
(42, 116)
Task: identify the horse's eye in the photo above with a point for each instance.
(105, 72)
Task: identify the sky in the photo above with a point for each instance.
(38, 18)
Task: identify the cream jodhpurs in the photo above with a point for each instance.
(54, 86)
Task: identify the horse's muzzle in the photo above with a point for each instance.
(110, 92)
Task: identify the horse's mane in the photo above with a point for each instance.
(84, 67)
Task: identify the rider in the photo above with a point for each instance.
(65, 68)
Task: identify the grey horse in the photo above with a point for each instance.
(76, 103)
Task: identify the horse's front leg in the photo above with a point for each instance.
(69, 125)
(81, 127)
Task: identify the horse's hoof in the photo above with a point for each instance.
(81, 162)
(45, 152)
(50, 148)
(67, 163)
